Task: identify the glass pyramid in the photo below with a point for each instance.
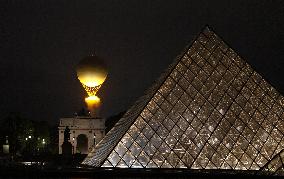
(209, 110)
(275, 166)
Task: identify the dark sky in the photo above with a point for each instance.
(42, 41)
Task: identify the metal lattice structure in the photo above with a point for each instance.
(275, 166)
(209, 110)
(92, 91)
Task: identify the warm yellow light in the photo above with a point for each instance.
(92, 72)
(92, 102)
(91, 78)
(92, 99)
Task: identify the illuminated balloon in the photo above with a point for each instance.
(91, 72)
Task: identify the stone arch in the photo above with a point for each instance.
(82, 144)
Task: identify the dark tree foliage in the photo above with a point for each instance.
(26, 137)
(17, 129)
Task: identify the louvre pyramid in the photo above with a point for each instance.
(276, 165)
(209, 110)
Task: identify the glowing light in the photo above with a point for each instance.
(92, 91)
(92, 101)
(92, 72)
(91, 78)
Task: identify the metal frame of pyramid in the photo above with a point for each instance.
(209, 110)
(275, 166)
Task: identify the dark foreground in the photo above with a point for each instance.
(84, 173)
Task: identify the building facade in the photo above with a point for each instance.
(85, 132)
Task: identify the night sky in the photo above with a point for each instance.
(42, 41)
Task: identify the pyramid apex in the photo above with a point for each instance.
(207, 30)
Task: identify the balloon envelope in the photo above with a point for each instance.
(91, 71)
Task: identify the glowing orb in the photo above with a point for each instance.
(92, 101)
(91, 71)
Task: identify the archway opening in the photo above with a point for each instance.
(82, 144)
